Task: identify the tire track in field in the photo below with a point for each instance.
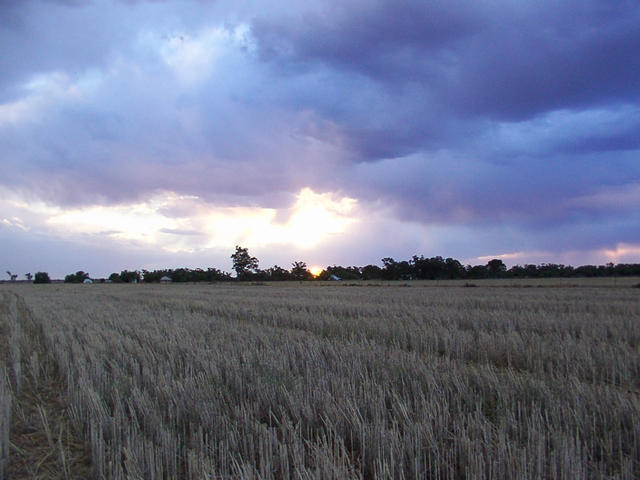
(43, 444)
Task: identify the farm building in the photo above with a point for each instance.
(165, 279)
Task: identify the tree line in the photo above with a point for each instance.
(438, 268)
(247, 268)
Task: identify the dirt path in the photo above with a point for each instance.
(43, 444)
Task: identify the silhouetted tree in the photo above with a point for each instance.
(186, 275)
(77, 277)
(299, 271)
(371, 272)
(277, 274)
(155, 275)
(517, 271)
(627, 269)
(115, 278)
(477, 271)
(396, 270)
(243, 263)
(554, 270)
(496, 268)
(42, 277)
(428, 268)
(344, 273)
(214, 275)
(453, 268)
(130, 277)
(28, 276)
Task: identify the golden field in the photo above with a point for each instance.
(528, 379)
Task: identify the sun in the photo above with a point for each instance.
(315, 271)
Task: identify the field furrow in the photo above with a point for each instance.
(304, 381)
(37, 439)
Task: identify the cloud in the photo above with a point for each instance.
(160, 222)
(13, 222)
(179, 231)
(359, 36)
(618, 253)
(40, 92)
(469, 127)
(625, 198)
(521, 59)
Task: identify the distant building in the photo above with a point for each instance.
(334, 277)
(165, 279)
(87, 280)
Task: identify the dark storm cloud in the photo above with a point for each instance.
(381, 39)
(502, 59)
(447, 189)
(46, 36)
(504, 111)
(581, 59)
(518, 119)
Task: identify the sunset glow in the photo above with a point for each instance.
(177, 223)
(315, 271)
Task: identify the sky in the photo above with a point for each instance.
(160, 134)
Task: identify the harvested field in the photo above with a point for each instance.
(321, 381)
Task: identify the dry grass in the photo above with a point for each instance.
(308, 381)
(36, 438)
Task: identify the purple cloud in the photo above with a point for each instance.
(512, 121)
(501, 59)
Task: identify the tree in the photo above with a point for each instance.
(130, 277)
(42, 277)
(77, 277)
(389, 270)
(277, 273)
(453, 268)
(428, 268)
(243, 263)
(496, 267)
(395, 270)
(477, 271)
(12, 276)
(371, 272)
(186, 275)
(344, 273)
(28, 276)
(300, 271)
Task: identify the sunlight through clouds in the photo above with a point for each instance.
(314, 217)
(132, 222)
(317, 216)
(173, 131)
